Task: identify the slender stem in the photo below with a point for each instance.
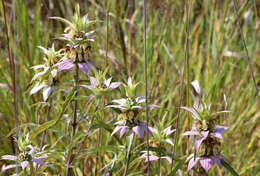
(128, 154)
(186, 69)
(146, 91)
(245, 47)
(74, 123)
(47, 119)
(107, 28)
(13, 75)
(32, 169)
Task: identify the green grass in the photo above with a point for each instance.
(213, 31)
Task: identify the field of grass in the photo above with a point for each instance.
(184, 42)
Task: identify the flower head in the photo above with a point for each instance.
(76, 30)
(25, 157)
(75, 55)
(206, 161)
(217, 133)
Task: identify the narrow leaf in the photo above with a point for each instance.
(229, 168)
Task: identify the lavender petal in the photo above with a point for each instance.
(87, 86)
(220, 129)
(115, 85)
(192, 163)
(64, 65)
(116, 130)
(39, 161)
(190, 133)
(192, 111)
(24, 164)
(8, 167)
(84, 67)
(169, 159)
(206, 163)
(92, 63)
(216, 160)
(9, 157)
(137, 130)
(123, 130)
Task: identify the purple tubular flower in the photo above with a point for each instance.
(206, 162)
(136, 129)
(66, 64)
(204, 134)
(23, 164)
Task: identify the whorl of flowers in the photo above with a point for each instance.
(27, 154)
(45, 77)
(78, 38)
(100, 85)
(207, 144)
(131, 108)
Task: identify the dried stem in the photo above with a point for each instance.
(245, 47)
(13, 74)
(185, 70)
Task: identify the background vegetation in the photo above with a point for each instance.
(216, 59)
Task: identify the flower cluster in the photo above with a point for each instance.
(207, 143)
(27, 155)
(131, 108)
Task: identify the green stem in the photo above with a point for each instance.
(32, 169)
(128, 153)
(74, 123)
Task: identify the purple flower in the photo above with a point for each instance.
(67, 64)
(137, 129)
(206, 161)
(154, 157)
(218, 130)
(103, 87)
(25, 158)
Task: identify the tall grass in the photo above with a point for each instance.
(215, 56)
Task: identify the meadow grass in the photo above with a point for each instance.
(215, 57)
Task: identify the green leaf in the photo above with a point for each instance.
(41, 128)
(177, 167)
(48, 124)
(64, 21)
(229, 168)
(107, 148)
